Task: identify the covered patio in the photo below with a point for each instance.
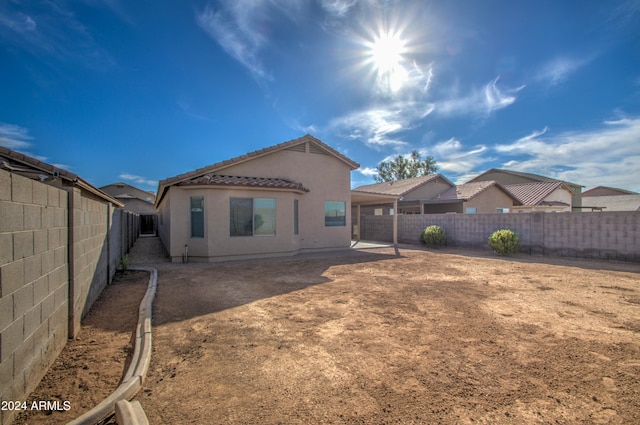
(359, 199)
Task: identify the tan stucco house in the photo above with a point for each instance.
(485, 197)
(509, 177)
(282, 200)
(137, 201)
(411, 194)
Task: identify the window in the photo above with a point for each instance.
(252, 217)
(335, 213)
(471, 210)
(296, 223)
(197, 217)
(502, 210)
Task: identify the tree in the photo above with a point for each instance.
(402, 167)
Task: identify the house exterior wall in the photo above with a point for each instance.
(327, 178)
(487, 201)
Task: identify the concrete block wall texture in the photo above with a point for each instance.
(33, 283)
(54, 263)
(606, 235)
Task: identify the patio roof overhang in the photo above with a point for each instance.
(359, 198)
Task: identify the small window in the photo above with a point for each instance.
(335, 213)
(197, 217)
(296, 223)
(502, 210)
(377, 211)
(471, 210)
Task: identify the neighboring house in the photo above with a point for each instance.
(507, 177)
(612, 203)
(137, 201)
(485, 197)
(606, 191)
(281, 200)
(411, 194)
(551, 196)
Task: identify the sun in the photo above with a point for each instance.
(386, 52)
(386, 55)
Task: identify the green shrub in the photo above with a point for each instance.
(433, 236)
(504, 242)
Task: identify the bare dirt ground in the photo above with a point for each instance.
(392, 337)
(91, 366)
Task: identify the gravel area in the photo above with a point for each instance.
(148, 250)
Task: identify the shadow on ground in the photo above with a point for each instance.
(190, 290)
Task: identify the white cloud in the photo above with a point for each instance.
(51, 29)
(608, 155)
(338, 8)
(558, 70)
(234, 30)
(14, 137)
(454, 158)
(482, 101)
(138, 179)
(368, 171)
(380, 126)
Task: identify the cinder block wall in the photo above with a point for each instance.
(58, 250)
(33, 283)
(606, 235)
(88, 245)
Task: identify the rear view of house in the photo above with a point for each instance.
(281, 200)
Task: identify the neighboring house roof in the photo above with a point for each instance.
(400, 187)
(530, 176)
(32, 168)
(215, 180)
(122, 190)
(315, 146)
(606, 191)
(468, 191)
(614, 202)
(535, 193)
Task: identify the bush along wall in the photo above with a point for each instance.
(433, 236)
(504, 242)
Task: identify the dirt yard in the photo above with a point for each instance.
(372, 337)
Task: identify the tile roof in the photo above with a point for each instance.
(218, 166)
(531, 176)
(534, 193)
(256, 154)
(613, 202)
(399, 187)
(469, 191)
(239, 181)
(610, 191)
(466, 191)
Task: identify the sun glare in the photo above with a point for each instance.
(385, 54)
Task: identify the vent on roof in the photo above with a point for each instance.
(316, 149)
(298, 148)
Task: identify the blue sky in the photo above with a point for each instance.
(139, 91)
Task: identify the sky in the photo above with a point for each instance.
(140, 91)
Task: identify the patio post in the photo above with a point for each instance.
(395, 221)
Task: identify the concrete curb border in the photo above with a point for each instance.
(135, 375)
